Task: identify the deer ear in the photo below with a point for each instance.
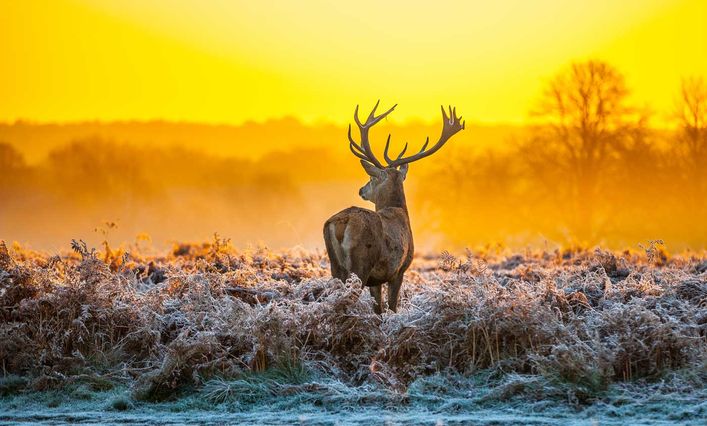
(404, 170)
(372, 170)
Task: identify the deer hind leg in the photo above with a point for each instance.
(376, 292)
(394, 292)
(375, 287)
(355, 255)
(335, 252)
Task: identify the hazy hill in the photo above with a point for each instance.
(276, 182)
(248, 140)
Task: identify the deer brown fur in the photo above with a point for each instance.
(377, 245)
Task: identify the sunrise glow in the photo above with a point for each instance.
(233, 61)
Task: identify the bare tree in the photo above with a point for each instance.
(692, 140)
(12, 165)
(10, 159)
(692, 116)
(584, 118)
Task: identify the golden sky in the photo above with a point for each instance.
(231, 61)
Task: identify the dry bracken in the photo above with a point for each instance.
(209, 312)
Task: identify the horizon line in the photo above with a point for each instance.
(304, 123)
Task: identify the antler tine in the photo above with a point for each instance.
(356, 119)
(405, 148)
(372, 115)
(387, 146)
(364, 149)
(372, 119)
(427, 141)
(351, 141)
(451, 125)
(385, 151)
(357, 154)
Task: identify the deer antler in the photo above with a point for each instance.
(363, 151)
(451, 126)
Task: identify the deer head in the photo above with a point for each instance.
(385, 187)
(382, 183)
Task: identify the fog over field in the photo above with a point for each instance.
(275, 183)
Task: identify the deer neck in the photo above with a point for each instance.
(394, 198)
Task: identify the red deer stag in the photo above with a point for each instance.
(377, 245)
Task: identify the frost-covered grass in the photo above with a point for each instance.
(533, 337)
(436, 399)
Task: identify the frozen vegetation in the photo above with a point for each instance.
(209, 333)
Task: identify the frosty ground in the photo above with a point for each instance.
(211, 333)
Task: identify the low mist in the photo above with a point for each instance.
(588, 168)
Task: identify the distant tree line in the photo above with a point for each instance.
(591, 170)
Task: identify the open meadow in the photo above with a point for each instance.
(212, 333)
